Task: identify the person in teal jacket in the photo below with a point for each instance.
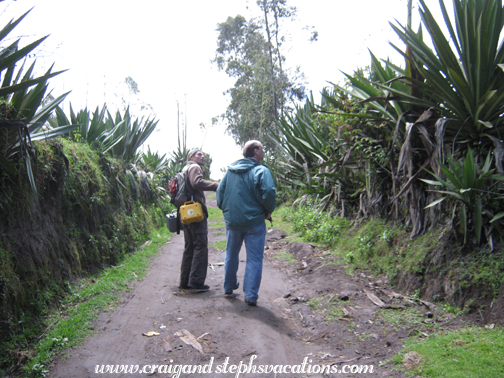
(247, 197)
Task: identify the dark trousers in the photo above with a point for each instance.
(195, 258)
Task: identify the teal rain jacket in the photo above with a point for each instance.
(246, 194)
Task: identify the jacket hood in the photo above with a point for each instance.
(243, 165)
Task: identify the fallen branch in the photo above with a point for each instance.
(48, 328)
(377, 301)
(392, 294)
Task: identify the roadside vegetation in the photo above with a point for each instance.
(72, 321)
(470, 352)
(389, 254)
(398, 171)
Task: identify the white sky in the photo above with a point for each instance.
(166, 46)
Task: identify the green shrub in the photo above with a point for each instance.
(314, 225)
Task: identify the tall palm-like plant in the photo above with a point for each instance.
(474, 188)
(130, 134)
(120, 136)
(447, 99)
(391, 113)
(462, 79)
(301, 143)
(152, 161)
(461, 82)
(22, 113)
(316, 159)
(93, 129)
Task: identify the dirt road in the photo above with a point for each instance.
(211, 332)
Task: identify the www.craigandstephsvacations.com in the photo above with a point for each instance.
(240, 369)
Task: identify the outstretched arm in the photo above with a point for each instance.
(198, 182)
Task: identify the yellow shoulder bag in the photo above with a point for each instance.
(191, 212)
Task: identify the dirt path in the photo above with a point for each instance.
(282, 330)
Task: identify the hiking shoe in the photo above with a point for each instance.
(199, 288)
(234, 288)
(251, 303)
(183, 287)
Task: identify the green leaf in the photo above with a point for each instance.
(469, 178)
(497, 217)
(490, 95)
(31, 179)
(11, 25)
(20, 54)
(434, 203)
(26, 84)
(431, 182)
(43, 114)
(463, 222)
(488, 125)
(477, 218)
(53, 132)
(455, 182)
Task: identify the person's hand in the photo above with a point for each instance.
(268, 216)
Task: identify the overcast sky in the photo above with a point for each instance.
(166, 46)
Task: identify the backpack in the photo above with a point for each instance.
(178, 189)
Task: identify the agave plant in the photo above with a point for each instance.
(23, 116)
(301, 147)
(130, 134)
(320, 163)
(460, 81)
(89, 127)
(447, 98)
(120, 136)
(462, 78)
(93, 129)
(152, 162)
(473, 187)
(177, 161)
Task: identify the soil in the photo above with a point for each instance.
(210, 329)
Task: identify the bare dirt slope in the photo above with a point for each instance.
(207, 328)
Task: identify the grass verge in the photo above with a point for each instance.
(73, 322)
(470, 352)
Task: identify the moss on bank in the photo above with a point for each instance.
(93, 212)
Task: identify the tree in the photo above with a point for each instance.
(130, 98)
(279, 9)
(206, 166)
(262, 89)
